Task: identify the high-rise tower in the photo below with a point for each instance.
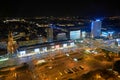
(50, 33)
(96, 28)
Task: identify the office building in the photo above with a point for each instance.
(96, 28)
(49, 34)
(75, 34)
(61, 36)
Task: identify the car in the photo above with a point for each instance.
(75, 69)
(49, 67)
(42, 61)
(81, 67)
(68, 71)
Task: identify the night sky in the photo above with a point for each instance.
(37, 8)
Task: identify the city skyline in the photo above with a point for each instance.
(58, 48)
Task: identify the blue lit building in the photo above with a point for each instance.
(96, 28)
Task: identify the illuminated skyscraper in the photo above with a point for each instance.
(96, 28)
